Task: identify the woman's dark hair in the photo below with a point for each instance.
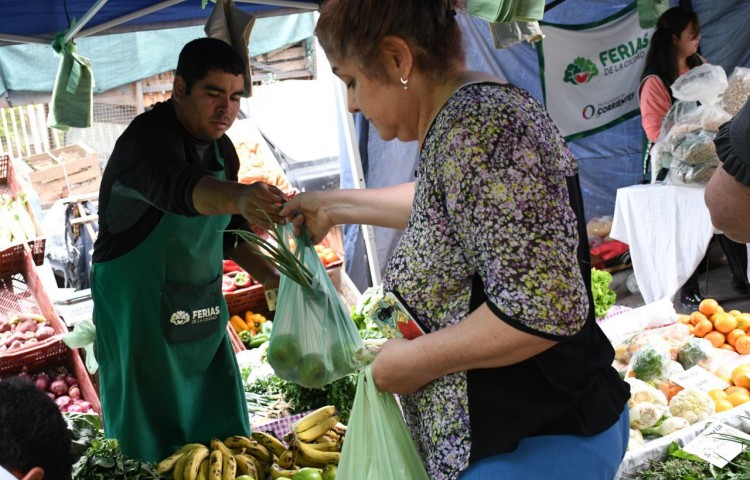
(33, 432)
(354, 29)
(202, 55)
(662, 54)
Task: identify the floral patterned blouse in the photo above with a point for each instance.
(490, 198)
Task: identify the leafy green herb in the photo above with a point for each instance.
(84, 429)
(604, 297)
(104, 460)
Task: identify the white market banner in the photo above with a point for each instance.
(591, 73)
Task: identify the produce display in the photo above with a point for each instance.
(16, 224)
(709, 339)
(312, 452)
(23, 329)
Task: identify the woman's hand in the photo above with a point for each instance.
(306, 208)
(398, 367)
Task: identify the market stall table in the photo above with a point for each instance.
(668, 228)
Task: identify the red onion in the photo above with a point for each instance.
(43, 375)
(63, 401)
(71, 380)
(74, 407)
(25, 376)
(41, 383)
(59, 387)
(74, 392)
(86, 406)
(51, 395)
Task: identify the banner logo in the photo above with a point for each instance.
(582, 70)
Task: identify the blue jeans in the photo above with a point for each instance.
(558, 456)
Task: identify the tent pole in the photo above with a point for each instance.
(5, 37)
(84, 20)
(131, 16)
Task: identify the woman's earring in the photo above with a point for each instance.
(404, 83)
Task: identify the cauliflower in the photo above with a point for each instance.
(666, 426)
(641, 392)
(692, 405)
(647, 404)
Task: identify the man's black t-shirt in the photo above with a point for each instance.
(153, 169)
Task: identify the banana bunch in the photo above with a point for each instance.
(221, 460)
(315, 441)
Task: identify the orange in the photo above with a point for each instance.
(743, 321)
(735, 313)
(708, 306)
(738, 398)
(741, 376)
(734, 388)
(715, 337)
(734, 335)
(723, 405)
(696, 317)
(726, 346)
(684, 319)
(703, 327)
(691, 329)
(743, 345)
(724, 322)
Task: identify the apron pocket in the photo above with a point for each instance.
(190, 312)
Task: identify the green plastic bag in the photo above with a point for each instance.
(314, 340)
(378, 443)
(72, 103)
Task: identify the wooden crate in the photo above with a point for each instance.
(64, 172)
(11, 256)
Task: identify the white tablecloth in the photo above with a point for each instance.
(668, 229)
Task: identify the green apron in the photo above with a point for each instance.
(168, 373)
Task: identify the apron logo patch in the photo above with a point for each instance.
(179, 317)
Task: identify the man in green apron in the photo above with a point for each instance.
(168, 374)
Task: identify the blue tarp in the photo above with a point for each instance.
(607, 160)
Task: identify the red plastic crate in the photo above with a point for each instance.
(52, 357)
(243, 299)
(22, 291)
(235, 339)
(11, 185)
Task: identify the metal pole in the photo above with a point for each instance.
(84, 20)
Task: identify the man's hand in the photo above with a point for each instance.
(260, 197)
(305, 208)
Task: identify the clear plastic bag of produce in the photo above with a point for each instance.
(704, 84)
(378, 443)
(314, 341)
(651, 363)
(694, 159)
(737, 92)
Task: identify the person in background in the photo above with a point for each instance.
(35, 442)
(728, 192)
(167, 368)
(513, 378)
(674, 51)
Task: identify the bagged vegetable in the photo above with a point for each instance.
(378, 443)
(314, 340)
(651, 364)
(694, 159)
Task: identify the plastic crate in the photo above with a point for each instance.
(22, 291)
(53, 357)
(11, 185)
(235, 339)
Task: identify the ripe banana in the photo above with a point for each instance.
(328, 437)
(229, 468)
(217, 444)
(168, 463)
(310, 434)
(273, 444)
(287, 459)
(193, 462)
(215, 464)
(314, 418)
(246, 466)
(321, 458)
(251, 446)
(325, 446)
(278, 472)
(178, 473)
(203, 471)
